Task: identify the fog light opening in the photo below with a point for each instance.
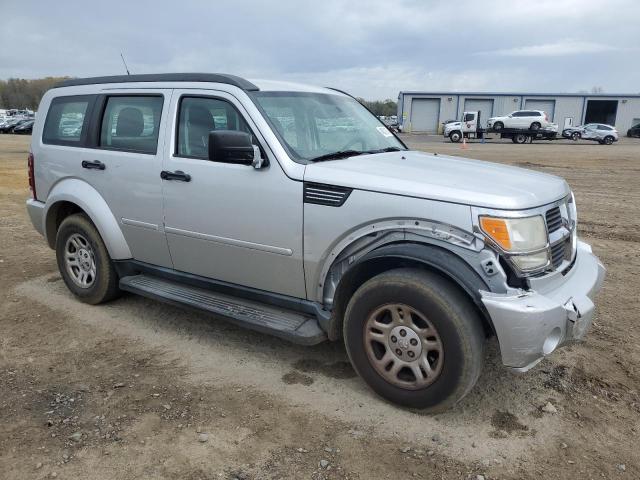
(552, 341)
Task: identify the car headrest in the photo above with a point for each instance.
(201, 117)
(130, 123)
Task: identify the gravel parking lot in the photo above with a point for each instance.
(138, 389)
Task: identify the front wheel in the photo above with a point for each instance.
(84, 262)
(455, 136)
(575, 136)
(414, 338)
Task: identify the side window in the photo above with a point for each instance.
(518, 114)
(131, 123)
(67, 119)
(197, 117)
(604, 127)
(469, 117)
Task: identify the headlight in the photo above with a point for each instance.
(523, 239)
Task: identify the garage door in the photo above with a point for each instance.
(482, 105)
(424, 114)
(547, 106)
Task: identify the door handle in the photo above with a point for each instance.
(95, 165)
(177, 175)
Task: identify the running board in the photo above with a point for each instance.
(292, 326)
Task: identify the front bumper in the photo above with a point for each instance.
(557, 310)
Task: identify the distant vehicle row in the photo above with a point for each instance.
(16, 125)
(524, 126)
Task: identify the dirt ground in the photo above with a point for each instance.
(138, 389)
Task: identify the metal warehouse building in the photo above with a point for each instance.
(425, 111)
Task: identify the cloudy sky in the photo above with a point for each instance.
(372, 48)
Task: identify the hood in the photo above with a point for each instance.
(443, 178)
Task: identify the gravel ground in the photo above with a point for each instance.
(138, 389)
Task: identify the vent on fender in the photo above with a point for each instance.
(329, 195)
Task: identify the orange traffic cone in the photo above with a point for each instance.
(464, 144)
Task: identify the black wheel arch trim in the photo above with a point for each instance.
(440, 259)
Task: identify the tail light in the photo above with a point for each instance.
(32, 178)
(546, 117)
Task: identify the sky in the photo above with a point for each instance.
(370, 48)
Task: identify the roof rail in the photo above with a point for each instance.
(164, 77)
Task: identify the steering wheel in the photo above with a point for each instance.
(352, 142)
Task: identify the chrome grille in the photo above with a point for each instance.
(558, 253)
(554, 219)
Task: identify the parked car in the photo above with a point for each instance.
(598, 132)
(410, 259)
(525, 119)
(23, 128)
(634, 131)
(10, 124)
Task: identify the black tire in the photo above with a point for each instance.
(498, 126)
(520, 138)
(449, 311)
(455, 136)
(535, 126)
(608, 140)
(575, 136)
(104, 286)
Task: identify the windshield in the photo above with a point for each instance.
(320, 126)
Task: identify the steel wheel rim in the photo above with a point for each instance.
(403, 346)
(80, 261)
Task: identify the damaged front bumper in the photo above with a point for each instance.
(557, 310)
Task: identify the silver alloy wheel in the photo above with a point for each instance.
(80, 260)
(403, 346)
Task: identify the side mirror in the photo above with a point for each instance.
(231, 146)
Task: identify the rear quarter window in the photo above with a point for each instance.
(67, 119)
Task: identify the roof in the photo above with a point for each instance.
(164, 77)
(523, 94)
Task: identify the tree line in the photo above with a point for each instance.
(381, 107)
(23, 93)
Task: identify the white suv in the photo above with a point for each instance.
(527, 119)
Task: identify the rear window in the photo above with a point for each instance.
(67, 120)
(131, 123)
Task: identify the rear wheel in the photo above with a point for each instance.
(520, 138)
(535, 126)
(498, 126)
(84, 262)
(608, 140)
(414, 338)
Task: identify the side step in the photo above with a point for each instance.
(296, 327)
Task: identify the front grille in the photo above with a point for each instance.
(558, 253)
(554, 219)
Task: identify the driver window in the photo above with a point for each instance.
(197, 117)
(469, 117)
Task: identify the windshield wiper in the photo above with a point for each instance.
(384, 150)
(337, 155)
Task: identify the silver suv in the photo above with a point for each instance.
(294, 211)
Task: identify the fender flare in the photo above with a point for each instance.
(463, 267)
(87, 198)
(437, 258)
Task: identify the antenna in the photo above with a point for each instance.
(125, 64)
